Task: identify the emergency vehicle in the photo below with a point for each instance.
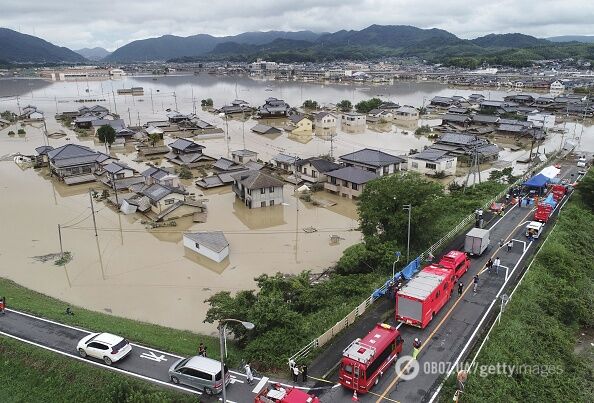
(558, 192)
(456, 261)
(365, 360)
(278, 393)
(424, 295)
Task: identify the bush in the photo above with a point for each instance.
(185, 173)
(424, 129)
(21, 131)
(11, 133)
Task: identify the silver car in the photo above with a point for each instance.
(199, 372)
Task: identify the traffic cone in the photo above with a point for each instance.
(355, 398)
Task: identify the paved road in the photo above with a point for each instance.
(143, 362)
(457, 324)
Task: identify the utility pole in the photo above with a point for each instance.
(115, 189)
(115, 106)
(175, 99)
(409, 208)
(138, 118)
(60, 237)
(19, 105)
(152, 104)
(93, 211)
(129, 117)
(332, 146)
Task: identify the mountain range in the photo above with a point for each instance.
(23, 48)
(375, 41)
(93, 54)
(572, 38)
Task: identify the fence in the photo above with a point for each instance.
(361, 308)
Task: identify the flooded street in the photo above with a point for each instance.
(148, 275)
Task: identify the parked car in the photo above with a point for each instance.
(104, 346)
(199, 372)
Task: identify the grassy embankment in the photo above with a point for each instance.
(542, 323)
(31, 374)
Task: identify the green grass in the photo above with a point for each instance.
(181, 342)
(542, 322)
(30, 374)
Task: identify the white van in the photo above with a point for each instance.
(534, 228)
(581, 162)
(199, 372)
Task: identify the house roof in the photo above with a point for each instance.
(458, 138)
(453, 117)
(225, 164)
(43, 149)
(263, 129)
(321, 115)
(296, 118)
(155, 172)
(256, 180)
(70, 151)
(375, 158)
(506, 127)
(492, 104)
(321, 164)
(284, 158)
(353, 175)
(485, 118)
(183, 144)
(157, 192)
(214, 240)
(407, 109)
(429, 154)
(115, 167)
(244, 153)
(116, 124)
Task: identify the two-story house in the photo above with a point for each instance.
(187, 153)
(353, 119)
(299, 124)
(314, 169)
(74, 163)
(325, 120)
(257, 189)
(373, 160)
(348, 181)
(432, 162)
(274, 108)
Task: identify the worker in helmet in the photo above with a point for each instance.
(416, 348)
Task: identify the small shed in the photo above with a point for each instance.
(212, 245)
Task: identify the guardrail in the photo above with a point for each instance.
(362, 307)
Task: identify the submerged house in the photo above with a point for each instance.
(348, 181)
(256, 189)
(325, 120)
(265, 129)
(162, 197)
(314, 169)
(274, 108)
(431, 162)
(212, 245)
(406, 112)
(375, 161)
(74, 163)
(187, 153)
(300, 124)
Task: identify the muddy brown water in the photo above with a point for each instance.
(148, 275)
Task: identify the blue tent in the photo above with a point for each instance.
(538, 181)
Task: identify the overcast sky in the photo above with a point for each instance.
(111, 24)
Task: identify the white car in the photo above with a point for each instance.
(104, 346)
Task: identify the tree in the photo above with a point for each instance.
(586, 190)
(309, 104)
(185, 173)
(381, 212)
(106, 134)
(154, 138)
(366, 106)
(206, 102)
(345, 105)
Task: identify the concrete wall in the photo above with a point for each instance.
(342, 189)
(257, 198)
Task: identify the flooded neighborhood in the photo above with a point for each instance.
(138, 260)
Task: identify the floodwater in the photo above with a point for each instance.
(148, 275)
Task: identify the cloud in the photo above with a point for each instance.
(112, 23)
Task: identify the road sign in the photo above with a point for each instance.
(153, 357)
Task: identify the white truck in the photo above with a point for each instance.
(534, 229)
(476, 241)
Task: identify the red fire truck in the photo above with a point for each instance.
(456, 261)
(543, 212)
(366, 359)
(424, 295)
(278, 393)
(558, 192)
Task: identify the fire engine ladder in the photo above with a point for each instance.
(356, 375)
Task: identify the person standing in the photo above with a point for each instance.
(202, 350)
(248, 374)
(460, 289)
(510, 245)
(507, 197)
(416, 348)
(304, 373)
(295, 374)
(475, 281)
(489, 265)
(497, 263)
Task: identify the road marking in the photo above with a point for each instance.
(153, 357)
(111, 368)
(235, 380)
(260, 385)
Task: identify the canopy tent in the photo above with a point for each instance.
(550, 172)
(537, 181)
